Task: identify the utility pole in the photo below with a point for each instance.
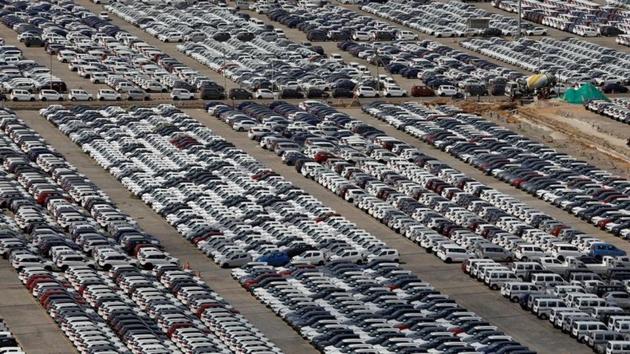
(520, 10)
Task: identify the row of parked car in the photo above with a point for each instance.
(437, 65)
(237, 211)
(588, 303)
(585, 300)
(617, 108)
(378, 308)
(333, 23)
(447, 19)
(390, 187)
(571, 60)
(544, 261)
(104, 54)
(623, 39)
(592, 194)
(8, 344)
(108, 285)
(18, 73)
(582, 17)
(255, 55)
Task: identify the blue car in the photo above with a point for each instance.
(276, 259)
(601, 249)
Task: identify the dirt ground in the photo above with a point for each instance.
(571, 129)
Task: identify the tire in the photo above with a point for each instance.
(32, 99)
(494, 287)
(175, 98)
(449, 261)
(73, 99)
(14, 99)
(60, 99)
(44, 99)
(101, 99)
(90, 99)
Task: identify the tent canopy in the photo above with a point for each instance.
(586, 92)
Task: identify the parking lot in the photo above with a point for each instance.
(447, 278)
(361, 220)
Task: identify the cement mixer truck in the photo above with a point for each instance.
(537, 84)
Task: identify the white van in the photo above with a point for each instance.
(547, 280)
(513, 290)
(581, 329)
(542, 307)
(496, 278)
(618, 347)
(622, 326)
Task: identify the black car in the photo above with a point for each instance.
(240, 94)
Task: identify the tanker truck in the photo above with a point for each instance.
(537, 84)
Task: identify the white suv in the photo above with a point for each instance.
(446, 90)
(79, 95)
(50, 95)
(21, 95)
(108, 95)
(182, 94)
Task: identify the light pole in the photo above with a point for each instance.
(518, 35)
(273, 91)
(51, 71)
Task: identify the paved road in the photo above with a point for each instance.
(448, 278)
(218, 279)
(34, 330)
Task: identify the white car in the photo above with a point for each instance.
(393, 91)
(50, 95)
(21, 95)
(79, 95)
(104, 15)
(336, 57)
(108, 95)
(263, 93)
(450, 252)
(406, 36)
(384, 254)
(182, 94)
(98, 77)
(446, 90)
(366, 91)
(348, 256)
(310, 257)
(361, 36)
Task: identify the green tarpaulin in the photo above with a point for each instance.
(586, 92)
